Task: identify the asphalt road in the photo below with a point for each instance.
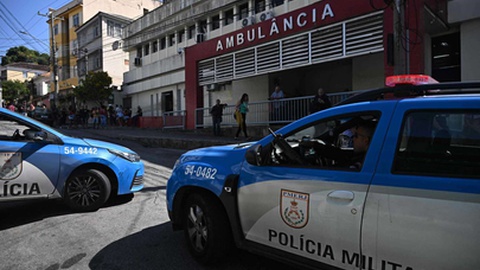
(129, 233)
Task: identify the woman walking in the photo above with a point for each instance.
(241, 115)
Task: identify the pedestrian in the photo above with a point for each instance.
(320, 101)
(103, 116)
(136, 117)
(241, 110)
(11, 107)
(85, 115)
(277, 105)
(31, 110)
(96, 117)
(217, 113)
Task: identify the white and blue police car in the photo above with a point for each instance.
(387, 180)
(38, 162)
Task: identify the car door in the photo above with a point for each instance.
(29, 167)
(314, 211)
(423, 206)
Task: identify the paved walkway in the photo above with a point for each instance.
(178, 139)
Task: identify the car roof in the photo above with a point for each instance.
(449, 90)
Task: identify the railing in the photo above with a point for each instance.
(267, 112)
(174, 119)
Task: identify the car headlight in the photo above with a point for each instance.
(133, 157)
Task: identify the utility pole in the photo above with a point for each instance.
(401, 38)
(53, 50)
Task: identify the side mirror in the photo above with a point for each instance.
(254, 155)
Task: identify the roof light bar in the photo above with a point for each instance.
(411, 79)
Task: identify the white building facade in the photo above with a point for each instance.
(99, 49)
(186, 54)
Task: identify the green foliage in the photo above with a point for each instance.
(95, 87)
(23, 54)
(15, 91)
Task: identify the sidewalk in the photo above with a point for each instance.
(177, 139)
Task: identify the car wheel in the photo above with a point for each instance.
(87, 190)
(207, 230)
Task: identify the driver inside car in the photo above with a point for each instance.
(361, 141)
(362, 134)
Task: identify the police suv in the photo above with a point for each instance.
(387, 180)
(37, 162)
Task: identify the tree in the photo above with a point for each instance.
(24, 54)
(15, 91)
(95, 87)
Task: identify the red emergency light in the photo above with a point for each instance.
(410, 79)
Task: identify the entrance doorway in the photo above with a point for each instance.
(446, 58)
(167, 101)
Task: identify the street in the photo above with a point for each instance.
(129, 233)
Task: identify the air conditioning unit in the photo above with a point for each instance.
(138, 61)
(267, 15)
(212, 87)
(248, 21)
(200, 37)
(74, 52)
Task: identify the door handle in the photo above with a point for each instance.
(343, 195)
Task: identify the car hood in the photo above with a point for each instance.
(225, 156)
(106, 145)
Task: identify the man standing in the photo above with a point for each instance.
(217, 112)
(320, 102)
(277, 105)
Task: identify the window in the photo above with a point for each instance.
(181, 35)
(171, 40)
(139, 52)
(259, 6)
(215, 22)
(191, 31)
(118, 30)
(55, 29)
(13, 130)
(439, 143)
(276, 3)
(163, 43)
(98, 62)
(336, 143)
(25, 74)
(96, 31)
(147, 49)
(202, 26)
(76, 20)
(110, 28)
(243, 11)
(228, 17)
(75, 47)
(114, 29)
(155, 46)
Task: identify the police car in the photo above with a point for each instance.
(305, 195)
(38, 162)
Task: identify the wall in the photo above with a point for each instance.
(368, 72)
(253, 86)
(470, 43)
(127, 8)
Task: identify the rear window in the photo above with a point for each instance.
(440, 144)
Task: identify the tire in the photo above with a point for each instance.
(206, 228)
(87, 190)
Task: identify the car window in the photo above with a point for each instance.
(439, 143)
(12, 129)
(325, 144)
